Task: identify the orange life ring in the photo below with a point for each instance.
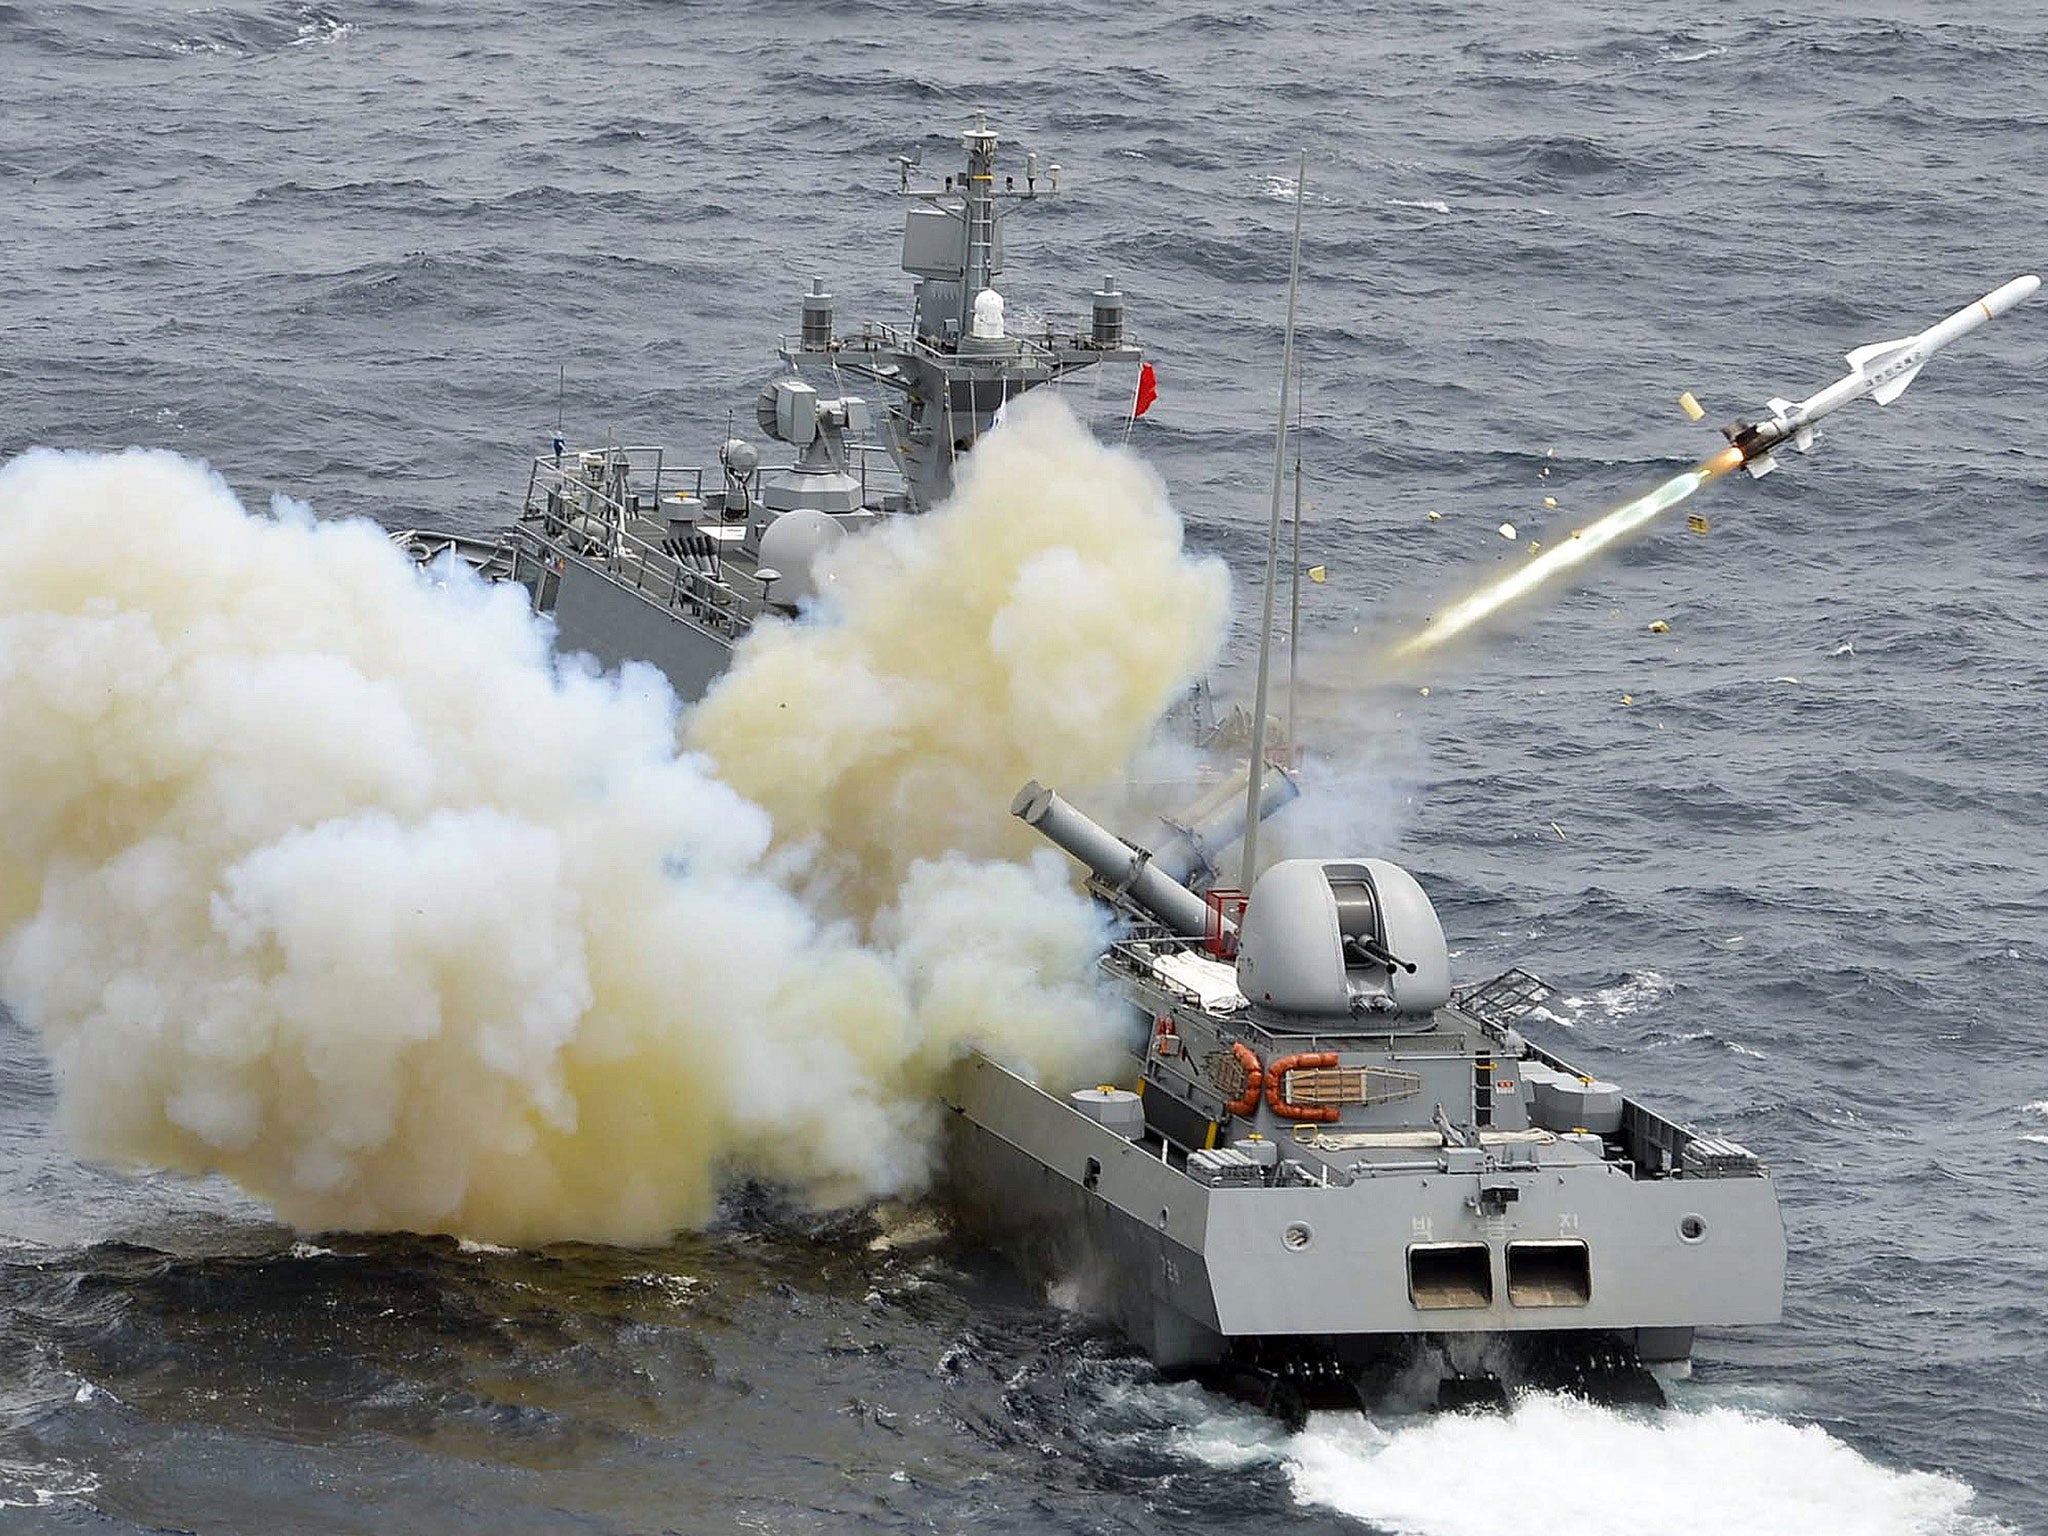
(1276, 1087)
(1254, 1079)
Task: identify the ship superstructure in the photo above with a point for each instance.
(640, 554)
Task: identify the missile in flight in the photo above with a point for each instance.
(1880, 372)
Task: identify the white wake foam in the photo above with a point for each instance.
(1555, 1466)
(1632, 993)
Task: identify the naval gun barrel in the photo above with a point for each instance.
(1113, 861)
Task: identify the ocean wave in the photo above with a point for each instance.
(1627, 996)
(1709, 1037)
(1695, 56)
(1283, 188)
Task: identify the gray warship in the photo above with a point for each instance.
(637, 554)
(1323, 1174)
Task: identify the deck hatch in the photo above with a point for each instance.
(1558, 1273)
(1442, 1276)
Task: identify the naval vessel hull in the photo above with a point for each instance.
(1198, 1277)
(604, 609)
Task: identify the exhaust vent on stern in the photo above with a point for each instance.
(1550, 1274)
(1443, 1276)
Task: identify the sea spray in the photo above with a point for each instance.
(1559, 1466)
(327, 875)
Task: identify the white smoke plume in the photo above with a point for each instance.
(1034, 626)
(327, 876)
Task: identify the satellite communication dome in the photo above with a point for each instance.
(739, 456)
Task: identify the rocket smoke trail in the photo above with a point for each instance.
(326, 875)
(1553, 562)
(1878, 371)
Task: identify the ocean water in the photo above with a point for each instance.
(1787, 863)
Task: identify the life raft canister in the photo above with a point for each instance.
(1276, 1087)
(1254, 1079)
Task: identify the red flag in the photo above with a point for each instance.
(1148, 391)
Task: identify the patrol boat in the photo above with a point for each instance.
(638, 555)
(1326, 1175)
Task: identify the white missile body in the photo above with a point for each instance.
(1880, 371)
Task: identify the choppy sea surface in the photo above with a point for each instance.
(1787, 863)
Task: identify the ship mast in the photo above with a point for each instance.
(978, 189)
(1294, 590)
(1255, 775)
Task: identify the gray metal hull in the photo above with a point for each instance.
(598, 615)
(1186, 1270)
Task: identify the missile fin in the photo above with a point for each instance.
(1863, 359)
(1760, 466)
(1891, 389)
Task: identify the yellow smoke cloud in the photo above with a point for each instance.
(1035, 625)
(326, 876)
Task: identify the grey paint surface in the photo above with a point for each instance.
(1181, 1267)
(598, 617)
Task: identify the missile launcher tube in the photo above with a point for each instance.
(1113, 861)
(1197, 837)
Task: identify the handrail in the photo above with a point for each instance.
(1049, 343)
(581, 504)
(693, 594)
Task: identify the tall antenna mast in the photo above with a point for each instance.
(1255, 777)
(1294, 614)
(561, 389)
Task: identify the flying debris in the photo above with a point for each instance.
(1881, 371)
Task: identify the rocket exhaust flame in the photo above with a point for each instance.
(1880, 371)
(1573, 552)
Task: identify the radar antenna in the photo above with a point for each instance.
(1255, 777)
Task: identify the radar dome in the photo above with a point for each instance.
(988, 315)
(739, 456)
(792, 544)
(1330, 938)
